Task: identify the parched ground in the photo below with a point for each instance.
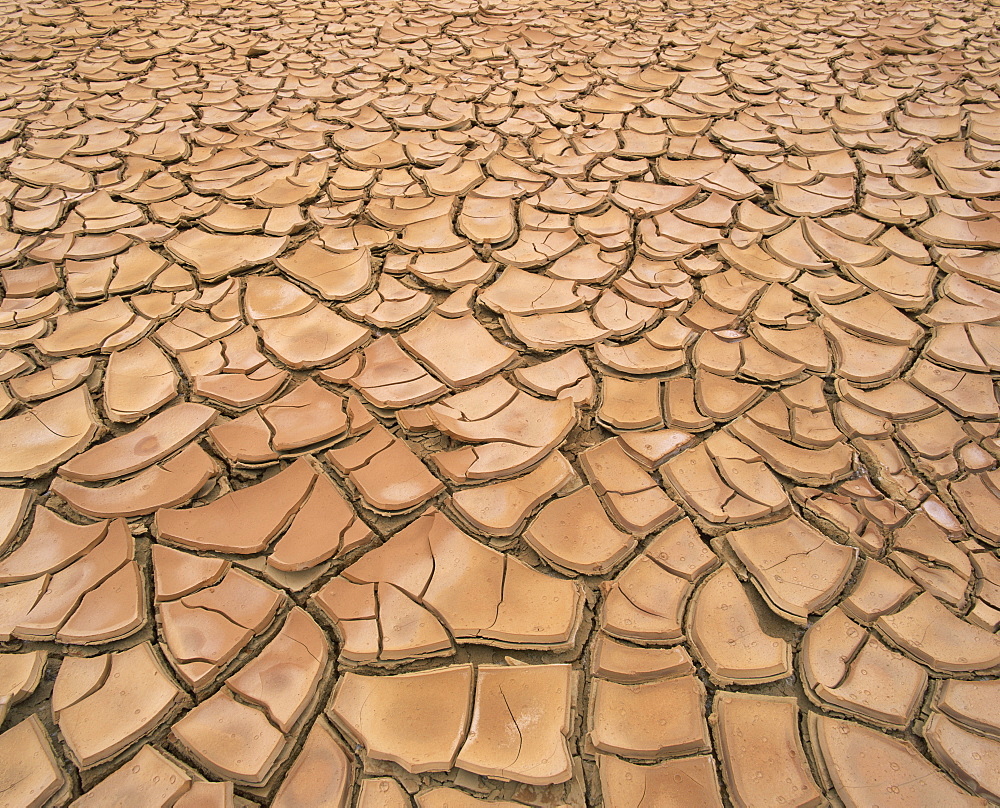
(454, 404)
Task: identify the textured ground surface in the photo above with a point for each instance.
(554, 404)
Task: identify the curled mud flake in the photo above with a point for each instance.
(32, 775)
(243, 521)
(687, 778)
(232, 739)
(418, 720)
(322, 774)
(761, 750)
(728, 638)
(41, 437)
(136, 695)
(860, 761)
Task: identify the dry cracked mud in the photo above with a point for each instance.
(470, 403)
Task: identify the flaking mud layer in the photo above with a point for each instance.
(446, 404)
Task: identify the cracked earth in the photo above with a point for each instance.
(454, 404)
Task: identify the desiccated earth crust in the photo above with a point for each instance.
(450, 404)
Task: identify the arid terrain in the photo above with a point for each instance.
(461, 404)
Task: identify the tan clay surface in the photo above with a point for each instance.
(456, 403)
